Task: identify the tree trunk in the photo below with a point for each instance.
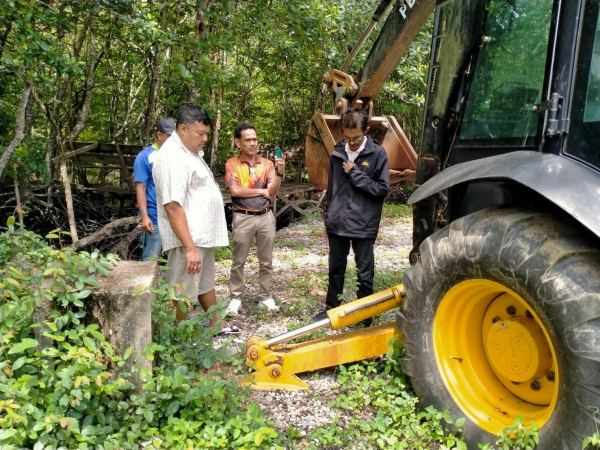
(69, 198)
(48, 161)
(75, 131)
(283, 96)
(89, 86)
(198, 32)
(155, 73)
(214, 150)
(152, 94)
(19, 208)
(129, 107)
(19, 128)
(242, 108)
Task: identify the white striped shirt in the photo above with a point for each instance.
(183, 176)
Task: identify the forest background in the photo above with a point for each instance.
(108, 70)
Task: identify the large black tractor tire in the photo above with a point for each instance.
(554, 268)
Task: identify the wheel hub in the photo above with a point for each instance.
(495, 355)
(518, 349)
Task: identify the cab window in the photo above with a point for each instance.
(583, 140)
(509, 76)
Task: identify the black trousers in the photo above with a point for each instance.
(339, 248)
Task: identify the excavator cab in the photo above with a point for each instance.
(500, 312)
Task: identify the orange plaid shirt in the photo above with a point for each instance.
(241, 173)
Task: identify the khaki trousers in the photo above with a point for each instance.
(245, 229)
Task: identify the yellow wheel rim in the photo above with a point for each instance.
(495, 356)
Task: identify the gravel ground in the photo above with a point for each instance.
(300, 284)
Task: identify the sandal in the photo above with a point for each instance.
(229, 329)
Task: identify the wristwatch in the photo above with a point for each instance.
(279, 174)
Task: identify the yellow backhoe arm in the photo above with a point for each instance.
(277, 363)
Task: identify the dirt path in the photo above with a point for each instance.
(300, 260)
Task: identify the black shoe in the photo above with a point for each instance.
(321, 316)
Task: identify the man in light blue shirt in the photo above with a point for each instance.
(145, 190)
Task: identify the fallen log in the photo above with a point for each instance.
(105, 232)
(122, 247)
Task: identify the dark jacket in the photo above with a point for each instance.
(355, 199)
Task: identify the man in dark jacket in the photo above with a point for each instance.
(358, 184)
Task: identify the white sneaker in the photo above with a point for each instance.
(234, 307)
(269, 304)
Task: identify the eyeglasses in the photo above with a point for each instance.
(356, 140)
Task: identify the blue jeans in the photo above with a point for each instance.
(151, 245)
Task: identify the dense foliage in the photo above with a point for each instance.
(71, 393)
(107, 70)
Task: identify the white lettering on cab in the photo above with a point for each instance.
(407, 4)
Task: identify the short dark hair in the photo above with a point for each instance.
(241, 127)
(355, 118)
(191, 114)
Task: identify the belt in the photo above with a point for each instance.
(252, 213)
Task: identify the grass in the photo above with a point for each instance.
(223, 254)
(386, 278)
(304, 285)
(300, 308)
(394, 212)
(295, 243)
(312, 217)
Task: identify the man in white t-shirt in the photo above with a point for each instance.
(191, 213)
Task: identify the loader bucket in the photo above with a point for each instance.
(324, 132)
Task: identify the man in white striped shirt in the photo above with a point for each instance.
(192, 213)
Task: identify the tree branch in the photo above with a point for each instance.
(19, 128)
(89, 85)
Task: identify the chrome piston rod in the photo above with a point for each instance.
(298, 332)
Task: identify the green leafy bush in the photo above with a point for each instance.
(72, 393)
(518, 436)
(394, 422)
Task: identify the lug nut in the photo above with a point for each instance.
(275, 372)
(511, 310)
(253, 354)
(496, 319)
(528, 314)
(550, 376)
(535, 385)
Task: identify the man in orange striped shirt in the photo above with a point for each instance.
(253, 182)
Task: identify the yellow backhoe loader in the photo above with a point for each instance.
(500, 311)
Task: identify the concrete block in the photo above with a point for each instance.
(124, 320)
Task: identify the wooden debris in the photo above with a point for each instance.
(106, 231)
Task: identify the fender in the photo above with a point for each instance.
(570, 185)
